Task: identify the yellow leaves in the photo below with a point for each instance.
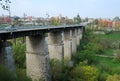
(90, 73)
(100, 23)
(84, 73)
(114, 77)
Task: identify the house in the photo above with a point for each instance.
(5, 19)
(116, 24)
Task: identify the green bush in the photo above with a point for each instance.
(102, 76)
(21, 75)
(19, 55)
(84, 73)
(95, 48)
(114, 77)
(117, 55)
(85, 55)
(6, 75)
(59, 70)
(105, 68)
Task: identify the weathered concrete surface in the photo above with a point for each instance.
(36, 58)
(55, 52)
(74, 41)
(78, 36)
(55, 45)
(6, 55)
(67, 44)
(81, 33)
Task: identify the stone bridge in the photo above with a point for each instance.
(62, 42)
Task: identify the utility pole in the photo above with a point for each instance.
(47, 18)
(9, 11)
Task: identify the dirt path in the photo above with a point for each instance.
(105, 56)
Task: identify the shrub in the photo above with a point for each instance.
(117, 55)
(19, 55)
(59, 70)
(114, 77)
(102, 76)
(105, 68)
(21, 75)
(106, 44)
(84, 73)
(6, 75)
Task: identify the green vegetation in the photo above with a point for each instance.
(113, 78)
(102, 52)
(19, 55)
(84, 73)
(59, 71)
(6, 75)
(109, 52)
(110, 36)
(3, 25)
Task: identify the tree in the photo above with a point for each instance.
(6, 75)
(114, 77)
(3, 4)
(101, 23)
(55, 21)
(96, 21)
(19, 55)
(117, 55)
(59, 70)
(116, 19)
(86, 19)
(17, 21)
(77, 20)
(84, 73)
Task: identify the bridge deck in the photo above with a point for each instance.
(32, 30)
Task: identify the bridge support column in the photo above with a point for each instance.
(81, 33)
(6, 55)
(78, 36)
(74, 41)
(55, 45)
(36, 58)
(67, 44)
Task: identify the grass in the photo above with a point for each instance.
(108, 65)
(111, 36)
(109, 52)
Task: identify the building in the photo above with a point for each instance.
(5, 19)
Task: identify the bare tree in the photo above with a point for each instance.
(4, 4)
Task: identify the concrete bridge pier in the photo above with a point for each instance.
(78, 36)
(36, 58)
(74, 41)
(6, 55)
(55, 45)
(67, 44)
(81, 33)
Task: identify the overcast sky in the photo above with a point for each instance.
(70, 8)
